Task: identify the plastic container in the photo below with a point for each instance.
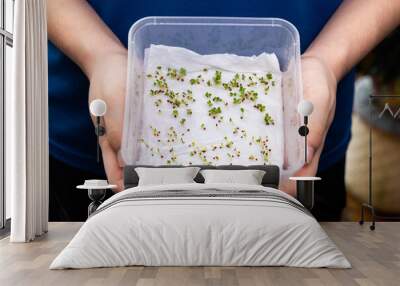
(208, 35)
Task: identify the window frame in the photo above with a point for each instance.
(6, 39)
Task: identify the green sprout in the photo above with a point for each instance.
(182, 122)
(175, 113)
(158, 102)
(237, 100)
(226, 86)
(265, 155)
(203, 126)
(242, 90)
(155, 131)
(229, 144)
(260, 107)
(207, 94)
(217, 77)
(217, 99)
(250, 84)
(263, 81)
(182, 72)
(214, 111)
(268, 119)
(234, 82)
(176, 102)
(269, 76)
(209, 103)
(238, 153)
(189, 111)
(172, 73)
(194, 81)
(252, 95)
(161, 83)
(253, 158)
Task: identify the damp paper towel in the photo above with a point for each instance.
(210, 109)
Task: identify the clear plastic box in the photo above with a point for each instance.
(209, 35)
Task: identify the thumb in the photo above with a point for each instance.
(319, 123)
(320, 89)
(111, 165)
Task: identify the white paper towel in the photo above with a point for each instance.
(188, 134)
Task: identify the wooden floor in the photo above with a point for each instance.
(375, 257)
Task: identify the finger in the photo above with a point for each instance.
(319, 87)
(319, 124)
(311, 168)
(113, 170)
(114, 120)
(112, 90)
(307, 170)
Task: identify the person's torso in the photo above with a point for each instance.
(72, 138)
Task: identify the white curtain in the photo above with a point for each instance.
(27, 124)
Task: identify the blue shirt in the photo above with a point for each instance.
(72, 138)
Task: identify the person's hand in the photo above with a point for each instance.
(108, 82)
(319, 87)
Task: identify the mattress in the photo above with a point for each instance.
(201, 225)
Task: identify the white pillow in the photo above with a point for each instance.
(248, 177)
(166, 176)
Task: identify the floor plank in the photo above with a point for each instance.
(375, 257)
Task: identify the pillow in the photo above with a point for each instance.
(248, 177)
(166, 176)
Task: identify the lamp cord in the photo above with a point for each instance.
(305, 139)
(98, 138)
(305, 149)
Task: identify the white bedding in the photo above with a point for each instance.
(187, 231)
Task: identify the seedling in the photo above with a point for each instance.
(268, 119)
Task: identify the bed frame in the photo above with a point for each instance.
(270, 179)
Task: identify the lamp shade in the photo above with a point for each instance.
(305, 108)
(98, 107)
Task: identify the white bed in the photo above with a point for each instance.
(143, 226)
